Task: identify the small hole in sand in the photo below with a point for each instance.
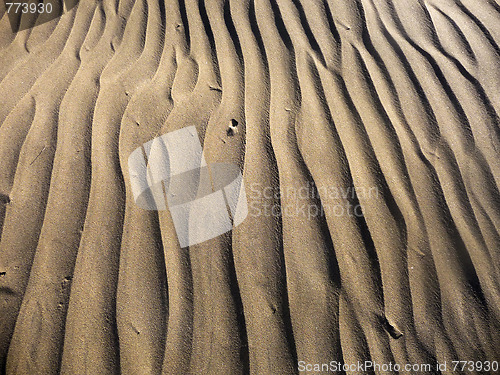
(233, 128)
(3, 274)
(391, 329)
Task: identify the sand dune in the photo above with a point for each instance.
(368, 136)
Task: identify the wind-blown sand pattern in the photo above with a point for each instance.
(397, 100)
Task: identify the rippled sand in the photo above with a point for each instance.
(378, 120)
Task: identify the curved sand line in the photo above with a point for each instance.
(396, 101)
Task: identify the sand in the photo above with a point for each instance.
(367, 133)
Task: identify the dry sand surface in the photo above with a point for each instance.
(367, 132)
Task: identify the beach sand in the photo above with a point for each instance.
(367, 133)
